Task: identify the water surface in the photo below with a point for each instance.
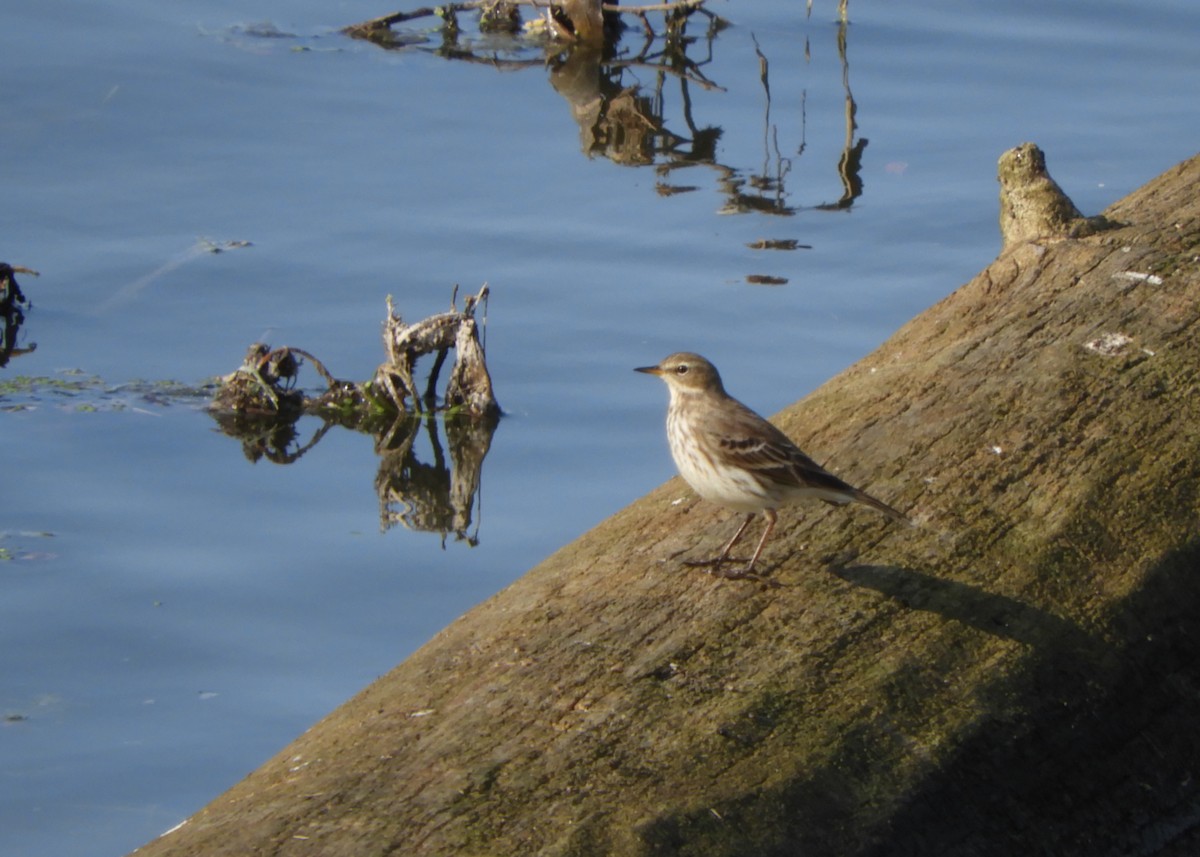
(173, 614)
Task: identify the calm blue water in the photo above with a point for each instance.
(172, 614)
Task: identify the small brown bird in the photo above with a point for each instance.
(735, 458)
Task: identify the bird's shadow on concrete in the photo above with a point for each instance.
(998, 615)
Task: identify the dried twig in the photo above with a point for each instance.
(405, 343)
(368, 28)
(265, 382)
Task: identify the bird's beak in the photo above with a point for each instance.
(21, 269)
(649, 370)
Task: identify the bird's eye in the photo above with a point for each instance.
(681, 369)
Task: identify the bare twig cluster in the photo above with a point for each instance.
(470, 384)
(265, 383)
(563, 20)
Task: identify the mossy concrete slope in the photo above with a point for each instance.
(1017, 673)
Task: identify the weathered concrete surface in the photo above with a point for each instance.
(1018, 674)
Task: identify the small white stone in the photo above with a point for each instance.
(1108, 344)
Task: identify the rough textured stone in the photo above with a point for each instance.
(1033, 206)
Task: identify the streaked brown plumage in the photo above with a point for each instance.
(735, 458)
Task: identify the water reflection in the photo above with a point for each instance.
(627, 122)
(266, 437)
(850, 163)
(433, 497)
(439, 496)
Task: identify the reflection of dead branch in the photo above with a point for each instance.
(412, 493)
(770, 181)
(469, 442)
(850, 162)
(631, 124)
(764, 196)
(266, 437)
(10, 329)
(433, 497)
(765, 192)
(843, 10)
(625, 123)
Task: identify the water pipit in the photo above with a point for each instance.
(733, 457)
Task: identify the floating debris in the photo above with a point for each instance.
(588, 22)
(765, 280)
(664, 189)
(12, 302)
(10, 292)
(202, 247)
(778, 244)
(208, 245)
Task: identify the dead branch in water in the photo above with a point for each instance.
(264, 384)
(260, 405)
(570, 20)
(404, 344)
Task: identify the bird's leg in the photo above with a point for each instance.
(748, 571)
(770, 515)
(724, 554)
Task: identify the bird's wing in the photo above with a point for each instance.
(755, 444)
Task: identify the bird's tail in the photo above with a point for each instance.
(867, 500)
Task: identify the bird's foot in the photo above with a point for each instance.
(704, 563)
(716, 562)
(714, 567)
(747, 574)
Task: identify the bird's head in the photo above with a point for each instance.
(686, 372)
